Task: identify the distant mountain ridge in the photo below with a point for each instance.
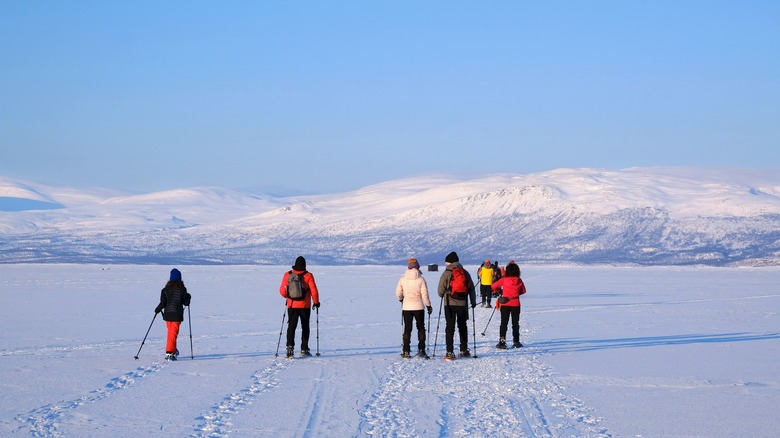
(648, 216)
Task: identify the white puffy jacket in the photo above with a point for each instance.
(413, 290)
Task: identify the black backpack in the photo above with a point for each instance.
(296, 287)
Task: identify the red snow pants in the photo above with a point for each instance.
(173, 333)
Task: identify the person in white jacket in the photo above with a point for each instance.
(412, 292)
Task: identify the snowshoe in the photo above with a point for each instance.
(449, 356)
(501, 344)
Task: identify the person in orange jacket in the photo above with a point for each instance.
(511, 287)
(297, 309)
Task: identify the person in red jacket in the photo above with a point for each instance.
(299, 308)
(511, 287)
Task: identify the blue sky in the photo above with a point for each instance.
(323, 97)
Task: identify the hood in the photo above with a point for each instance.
(412, 274)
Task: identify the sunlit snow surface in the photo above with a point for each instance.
(649, 352)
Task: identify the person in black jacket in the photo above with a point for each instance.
(173, 298)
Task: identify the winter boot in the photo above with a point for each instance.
(406, 354)
(170, 357)
(305, 353)
(517, 344)
(465, 353)
(290, 352)
(449, 356)
(501, 344)
(423, 354)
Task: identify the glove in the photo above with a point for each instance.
(473, 305)
(316, 305)
(401, 300)
(430, 310)
(495, 294)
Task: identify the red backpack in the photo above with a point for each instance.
(459, 287)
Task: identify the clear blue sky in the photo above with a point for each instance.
(324, 97)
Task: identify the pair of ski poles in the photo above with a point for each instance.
(473, 326)
(281, 329)
(189, 321)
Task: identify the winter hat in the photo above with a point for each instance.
(300, 264)
(452, 257)
(512, 270)
(175, 275)
(412, 264)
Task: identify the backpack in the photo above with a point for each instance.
(296, 287)
(459, 287)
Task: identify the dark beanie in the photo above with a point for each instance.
(452, 257)
(175, 275)
(300, 264)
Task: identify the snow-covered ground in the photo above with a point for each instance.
(652, 352)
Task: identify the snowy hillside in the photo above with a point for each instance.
(640, 215)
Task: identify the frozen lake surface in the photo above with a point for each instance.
(651, 352)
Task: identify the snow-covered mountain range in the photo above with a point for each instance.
(655, 216)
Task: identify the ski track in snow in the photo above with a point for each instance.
(44, 421)
(503, 393)
(216, 422)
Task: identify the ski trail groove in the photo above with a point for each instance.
(386, 414)
(502, 393)
(216, 422)
(44, 421)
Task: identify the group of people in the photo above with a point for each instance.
(300, 291)
(412, 291)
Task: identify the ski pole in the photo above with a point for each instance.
(474, 327)
(189, 320)
(489, 319)
(428, 337)
(402, 327)
(280, 331)
(147, 334)
(435, 339)
(318, 331)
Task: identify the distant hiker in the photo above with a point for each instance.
(299, 288)
(173, 298)
(456, 288)
(497, 273)
(511, 287)
(412, 292)
(486, 273)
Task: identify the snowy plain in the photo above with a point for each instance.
(609, 351)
